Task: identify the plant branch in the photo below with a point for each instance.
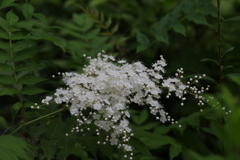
(219, 43)
(15, 77)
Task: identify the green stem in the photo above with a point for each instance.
(37, 119)
(15, 76)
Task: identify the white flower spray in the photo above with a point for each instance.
(107, 87)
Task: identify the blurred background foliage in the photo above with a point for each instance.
(183, 31)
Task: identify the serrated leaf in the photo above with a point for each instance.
(26, 53)
(89, 142)
(25, 24)
(29, 79)
(65, 144)
(208, 59)
(5, 67)
(6, 79)
(3, 34)
(84, 21)
(4, 24)
(27, 10)
(179, 28)
(48, 148)
(142, 39)
(15, 108)
(20, 35)
(141, 48)
(6, 3)
(15, 147)
(198, 19)
(162, 37)
(29, 67)
(4, 56)
(41, 17)
(175, 150)
(31, 90)
(4, 45)
(3, 122)
(53, 134)
(139, 146)
(161, 140)
(8, 91)
(11, 17)
(23, 44)
(235, 18)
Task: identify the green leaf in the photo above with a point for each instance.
(209, 79)
(8, 91)
(41, 17)
(107, 150)
(6, 3)
(83, 20)
(211, 60)
(108, 22)
(89, 142)
(4, 24)
(7, 154)
(25, 24)
(175, 150)
(24, 44)
(114, 29)
(15, 108)
(31, 90)
(141, 118)
(26, 53)
(5, 67)
(142, 39)
(141, 48)
(6, 79)
(4, 45)
(3, 34)
(3, 122)
(53, 135)
(227, 67)
(11, 17)
(14, 147)
(228, 50)
(198, 19)
(160, 139)
(27, 10)
(48, 148)
(4, 56)
(163, 37)
(234, 77)
(20, 35)
(29, 79)
(30, 67)
(140, 146)
(235, 18)
(179, 28)
(66, 144)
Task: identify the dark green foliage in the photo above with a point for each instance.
(43, 37)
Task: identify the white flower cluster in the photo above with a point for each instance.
(105, 89)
